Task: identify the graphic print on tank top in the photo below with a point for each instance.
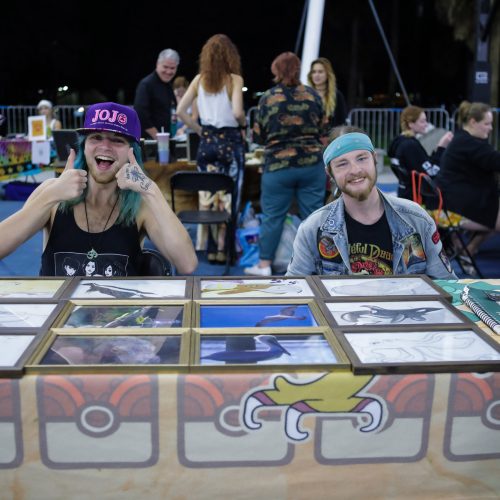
(78, 264)
(370, 246)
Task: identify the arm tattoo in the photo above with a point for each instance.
(135, 174)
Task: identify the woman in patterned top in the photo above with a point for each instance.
(288, 124)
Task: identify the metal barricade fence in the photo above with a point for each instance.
(382, 124)
(71, 117)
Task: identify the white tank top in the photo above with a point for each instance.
(215, 109)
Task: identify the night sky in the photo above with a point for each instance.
(101, 50)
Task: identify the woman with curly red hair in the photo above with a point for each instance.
(218, 90)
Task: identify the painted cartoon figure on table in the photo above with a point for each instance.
(324, 395)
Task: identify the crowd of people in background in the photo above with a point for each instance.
(294, 123)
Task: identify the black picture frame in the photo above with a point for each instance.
(387, 312)
(359, 287)
(404, 350)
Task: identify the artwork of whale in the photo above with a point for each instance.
(377, 314)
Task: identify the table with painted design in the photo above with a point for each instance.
(251, 434)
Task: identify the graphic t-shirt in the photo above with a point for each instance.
(370, 247)
(69, 250)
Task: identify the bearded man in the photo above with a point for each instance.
(365, 231)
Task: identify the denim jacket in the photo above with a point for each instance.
(408, 222)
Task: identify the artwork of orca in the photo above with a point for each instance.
(376, 313)
(396, 312)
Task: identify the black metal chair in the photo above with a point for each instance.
(152, 263)
(211, 182)
(403, 177)
(453, 237)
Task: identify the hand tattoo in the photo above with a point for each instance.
(134, 174)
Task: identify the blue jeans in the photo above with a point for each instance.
(278, 188)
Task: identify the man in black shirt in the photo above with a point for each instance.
(96, 214)
(154, 96)
(365, 231)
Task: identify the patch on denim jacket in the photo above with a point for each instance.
(413, 252)
(327, 248)
(445, 260)
(435, 237)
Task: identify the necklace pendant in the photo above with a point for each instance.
(92, 254)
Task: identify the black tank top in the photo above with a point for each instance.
(66, 252)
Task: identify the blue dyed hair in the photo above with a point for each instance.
(130, 201)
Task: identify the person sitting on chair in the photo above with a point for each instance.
(408, 154)
(468, 175)
(365, 231)
(102, 206)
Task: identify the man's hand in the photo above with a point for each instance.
(72, 182)
(131, 176)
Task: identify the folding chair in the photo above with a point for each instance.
(454, 238)
(211, 182)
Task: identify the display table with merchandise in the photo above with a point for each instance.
(245, 388)
(15, 160)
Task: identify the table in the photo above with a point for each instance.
(15, 159)
(185, 435)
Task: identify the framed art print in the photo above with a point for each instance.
(27, 317)
(130, 288)
(274, 348)
(391, 313)
(258, 314)
(14, 351)
(233, 287)
(80, 314)
(31, 289)
(37, 128)
(420, 350)
(354, 287)
(112, 349)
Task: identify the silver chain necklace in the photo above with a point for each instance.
(92, 254)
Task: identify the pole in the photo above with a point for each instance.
(481, 76)
(301, 28)
(389, 52)
(312, 38)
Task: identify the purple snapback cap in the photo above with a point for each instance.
(112, 117)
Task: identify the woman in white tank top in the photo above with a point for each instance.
(219, 98)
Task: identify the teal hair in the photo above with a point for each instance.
(130, 201)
